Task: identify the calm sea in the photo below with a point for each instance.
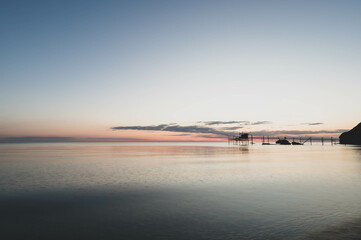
(179, 191)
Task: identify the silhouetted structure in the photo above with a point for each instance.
(243, 139)
(283, 142)
(352, 137)
(246, 138)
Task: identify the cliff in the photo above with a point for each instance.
(352, 137)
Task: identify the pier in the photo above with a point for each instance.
(246, 139)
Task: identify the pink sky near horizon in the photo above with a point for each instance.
(105, 133)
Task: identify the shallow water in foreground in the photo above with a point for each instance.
(179, 191)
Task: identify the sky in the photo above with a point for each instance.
(165, 70)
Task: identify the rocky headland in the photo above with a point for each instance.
(352, 137)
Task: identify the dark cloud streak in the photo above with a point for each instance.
(313, 124)
(176, 128)
(211, 132)
(222, 122)
(231, 128)
(235, 122)
(296, 132)
(260, 123)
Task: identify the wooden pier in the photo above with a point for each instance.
(246, 139)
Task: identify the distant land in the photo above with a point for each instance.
(352, 137)
(38, 139)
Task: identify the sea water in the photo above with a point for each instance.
(179, 191)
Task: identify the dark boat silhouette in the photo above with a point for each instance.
(283, 142)
(297, 143)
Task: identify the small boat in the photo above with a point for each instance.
(297, 143)
(283, 142)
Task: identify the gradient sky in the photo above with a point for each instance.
(80, 68)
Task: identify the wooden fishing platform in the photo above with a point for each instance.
(246, 139)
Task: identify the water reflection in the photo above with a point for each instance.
(345, 230)
(190, 191)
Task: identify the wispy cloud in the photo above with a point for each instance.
(181, 135)
(231, 128)
(260, 123)
(296, 132)
(313, 123)
(222, 122)
(160, 127)
(211, 136)
(176, 128)
(114, 139)
(235, 122)
(221, 132)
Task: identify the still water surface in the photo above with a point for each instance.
(179, 191)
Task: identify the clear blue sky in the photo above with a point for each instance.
(79, 68)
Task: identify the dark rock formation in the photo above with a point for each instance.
(352, 137)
